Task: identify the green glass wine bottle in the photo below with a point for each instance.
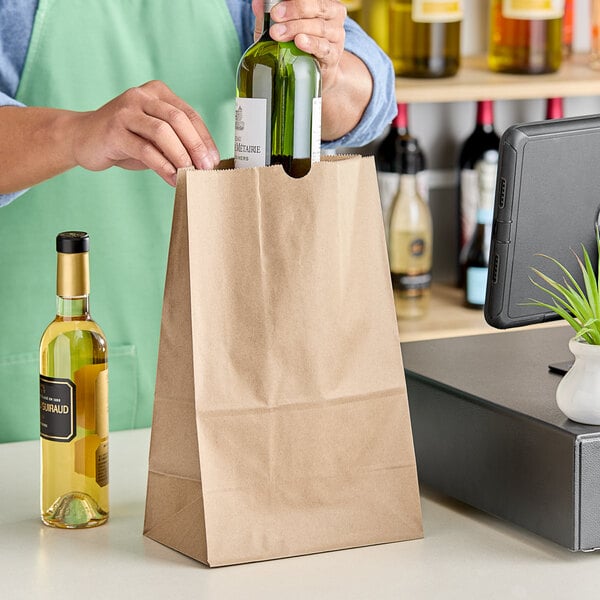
(278, 106)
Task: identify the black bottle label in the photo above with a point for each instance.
(57, 409)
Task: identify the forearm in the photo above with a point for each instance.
(145, 127)
(36, 145)
(345, 100)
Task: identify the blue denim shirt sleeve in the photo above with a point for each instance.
(381, 109)
(16, 24)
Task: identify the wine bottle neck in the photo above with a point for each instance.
(408, 184)
(485, 113)
(265, 35)
(400, 122)
(72, 283)
(554, 108)
(73, 307)
(269, 4)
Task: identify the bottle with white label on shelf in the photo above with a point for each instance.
(278, 105)
(386, 161)
(410, 240)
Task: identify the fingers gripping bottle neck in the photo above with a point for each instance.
(278, 105)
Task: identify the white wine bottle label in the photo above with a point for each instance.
(533, 9)
(57, 409)
(251, 133)
(315, 155)
(437, 11)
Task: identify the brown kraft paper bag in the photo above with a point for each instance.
(281, 422)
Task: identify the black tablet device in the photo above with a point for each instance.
(547, 201)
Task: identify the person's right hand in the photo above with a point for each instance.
(146, 127)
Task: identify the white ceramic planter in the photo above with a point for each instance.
(578, 393)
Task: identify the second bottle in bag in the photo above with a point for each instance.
(424, 37)
(278, 107)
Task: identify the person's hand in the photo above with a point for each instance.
(315, 26)
(146, 127)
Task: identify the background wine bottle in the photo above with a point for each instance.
(482, 140)
(410, 240)
(73, 399)
(278, 108)
(525, 36)
(478, 250)
(389, 163)
(424, 37)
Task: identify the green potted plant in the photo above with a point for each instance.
(578, 393)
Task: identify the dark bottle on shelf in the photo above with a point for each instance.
(386, 160)
(483, 139)
(478, 250)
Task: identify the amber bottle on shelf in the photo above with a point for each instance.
(526, 36)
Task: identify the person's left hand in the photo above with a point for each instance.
(315, 26)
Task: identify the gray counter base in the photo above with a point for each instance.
(487, 431)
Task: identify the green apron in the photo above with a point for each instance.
(83, 53)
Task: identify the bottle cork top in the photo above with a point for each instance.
(72, 242)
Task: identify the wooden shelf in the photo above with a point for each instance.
(448, 317)
(474, 81)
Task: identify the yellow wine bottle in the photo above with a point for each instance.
(526, 36)
(73, 398)
(424, 37)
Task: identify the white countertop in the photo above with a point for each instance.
(465, 553)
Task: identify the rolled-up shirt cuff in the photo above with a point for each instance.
(382, 108)
(8, 198)
(6, 100)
